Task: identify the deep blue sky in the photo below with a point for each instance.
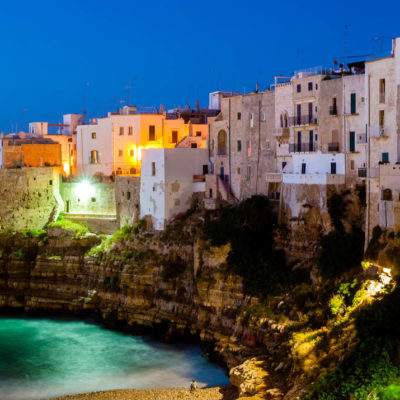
(170, 52)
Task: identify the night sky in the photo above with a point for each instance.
(168, 52)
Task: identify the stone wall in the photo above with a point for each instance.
(29, 197)
(127, 196)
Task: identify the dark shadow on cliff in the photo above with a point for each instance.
(229, 392)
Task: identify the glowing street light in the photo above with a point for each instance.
(84, 190)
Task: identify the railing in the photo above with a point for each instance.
(361, 138)
(382, 97)
(379, 131)
(302, 120)
(362, 172)
(221, 152)
(333, 146)
(301, 147)
(332, 110)
(280, 132)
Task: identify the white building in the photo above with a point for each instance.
(169, 178)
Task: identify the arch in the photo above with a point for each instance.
(222, 143)
(285, 120)
(387, 195)
(132, 171)
(281, 121)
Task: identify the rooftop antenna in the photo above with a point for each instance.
(85, 86)
(346, 26)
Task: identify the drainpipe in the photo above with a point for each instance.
(259, 141)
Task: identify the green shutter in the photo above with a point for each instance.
(353, 103)
(352, 142)
(385, 157)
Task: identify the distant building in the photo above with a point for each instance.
(24, 150)
(114, 144)
(169, 179)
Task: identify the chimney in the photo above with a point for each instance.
(197, 106)
(162, 108)
(257, 87)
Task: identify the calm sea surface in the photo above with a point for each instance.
(42, 358)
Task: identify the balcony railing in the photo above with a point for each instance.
(382, 97)
(332, 110)
(302, 120)
(280, 132)
(361, 138)
(301, 147)
(333, 146)
(362, 172)
(379, 131)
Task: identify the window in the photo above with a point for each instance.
(333, 168)
(120, 153)
(352, 164)
(153, 169)
(284, 163)
(152, 132)
(94, 157)
(130, 130)
(381, 119)
(385, 157)
(309, 85)
(198, 133)
(121, 131)
(248, 174)
(238, 171)
(128, 195)
(174, 137)
(93, 135)
(316, 86)
(249, 148)
(239, 115)
(222, 143)
(205, 169)
(352, 139)
(298, 88)
(353, 103)
(239, 145)
(193, 145)
(387, 195)
(132, 171)
(251, 120)
(263, 116)
(381, 90)
(51, 182)
(303, 168)
(131, 153)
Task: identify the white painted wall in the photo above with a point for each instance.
(318, 163)
(170, 190)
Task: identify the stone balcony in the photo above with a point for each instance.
(313, 179)
(281, 132)
(274, 177)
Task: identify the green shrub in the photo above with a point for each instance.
(72, 226)
(20, 254)
(248, 227)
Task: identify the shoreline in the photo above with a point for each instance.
(215, 393)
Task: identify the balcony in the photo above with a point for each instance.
(301, 147)
(361, 138)
(302, 120)
(221, 152)
(280, 132)
(362, 172)
(333, 146)
(379, 132)
(381, 97)
(332, 110)
(274, 177)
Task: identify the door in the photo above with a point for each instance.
(303, 168)
(222, 173)
(333, 168)
(352, 142)
(311, 140)
(310, 105)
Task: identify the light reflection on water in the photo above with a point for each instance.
(42, 358)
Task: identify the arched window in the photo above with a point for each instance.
(281, 121)
(222, 143)
(285, 121)
(133, 171)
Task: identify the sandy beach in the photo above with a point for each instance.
(216, 393)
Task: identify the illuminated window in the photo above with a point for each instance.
(152, 132)
(130, 131)
(132, 171)
(93, 135)
(94, 157)
(174, 137)
(131, 153)
(120, 153)
(121, 131)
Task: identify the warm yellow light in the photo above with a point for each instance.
(66, 168)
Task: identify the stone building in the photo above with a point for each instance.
(241, 147)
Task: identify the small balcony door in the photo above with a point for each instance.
(333, 168)
(352, 142)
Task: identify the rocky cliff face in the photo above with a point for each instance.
(145, 281)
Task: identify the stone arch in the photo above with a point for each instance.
(222, 142)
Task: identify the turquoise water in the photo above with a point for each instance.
(42, 358)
